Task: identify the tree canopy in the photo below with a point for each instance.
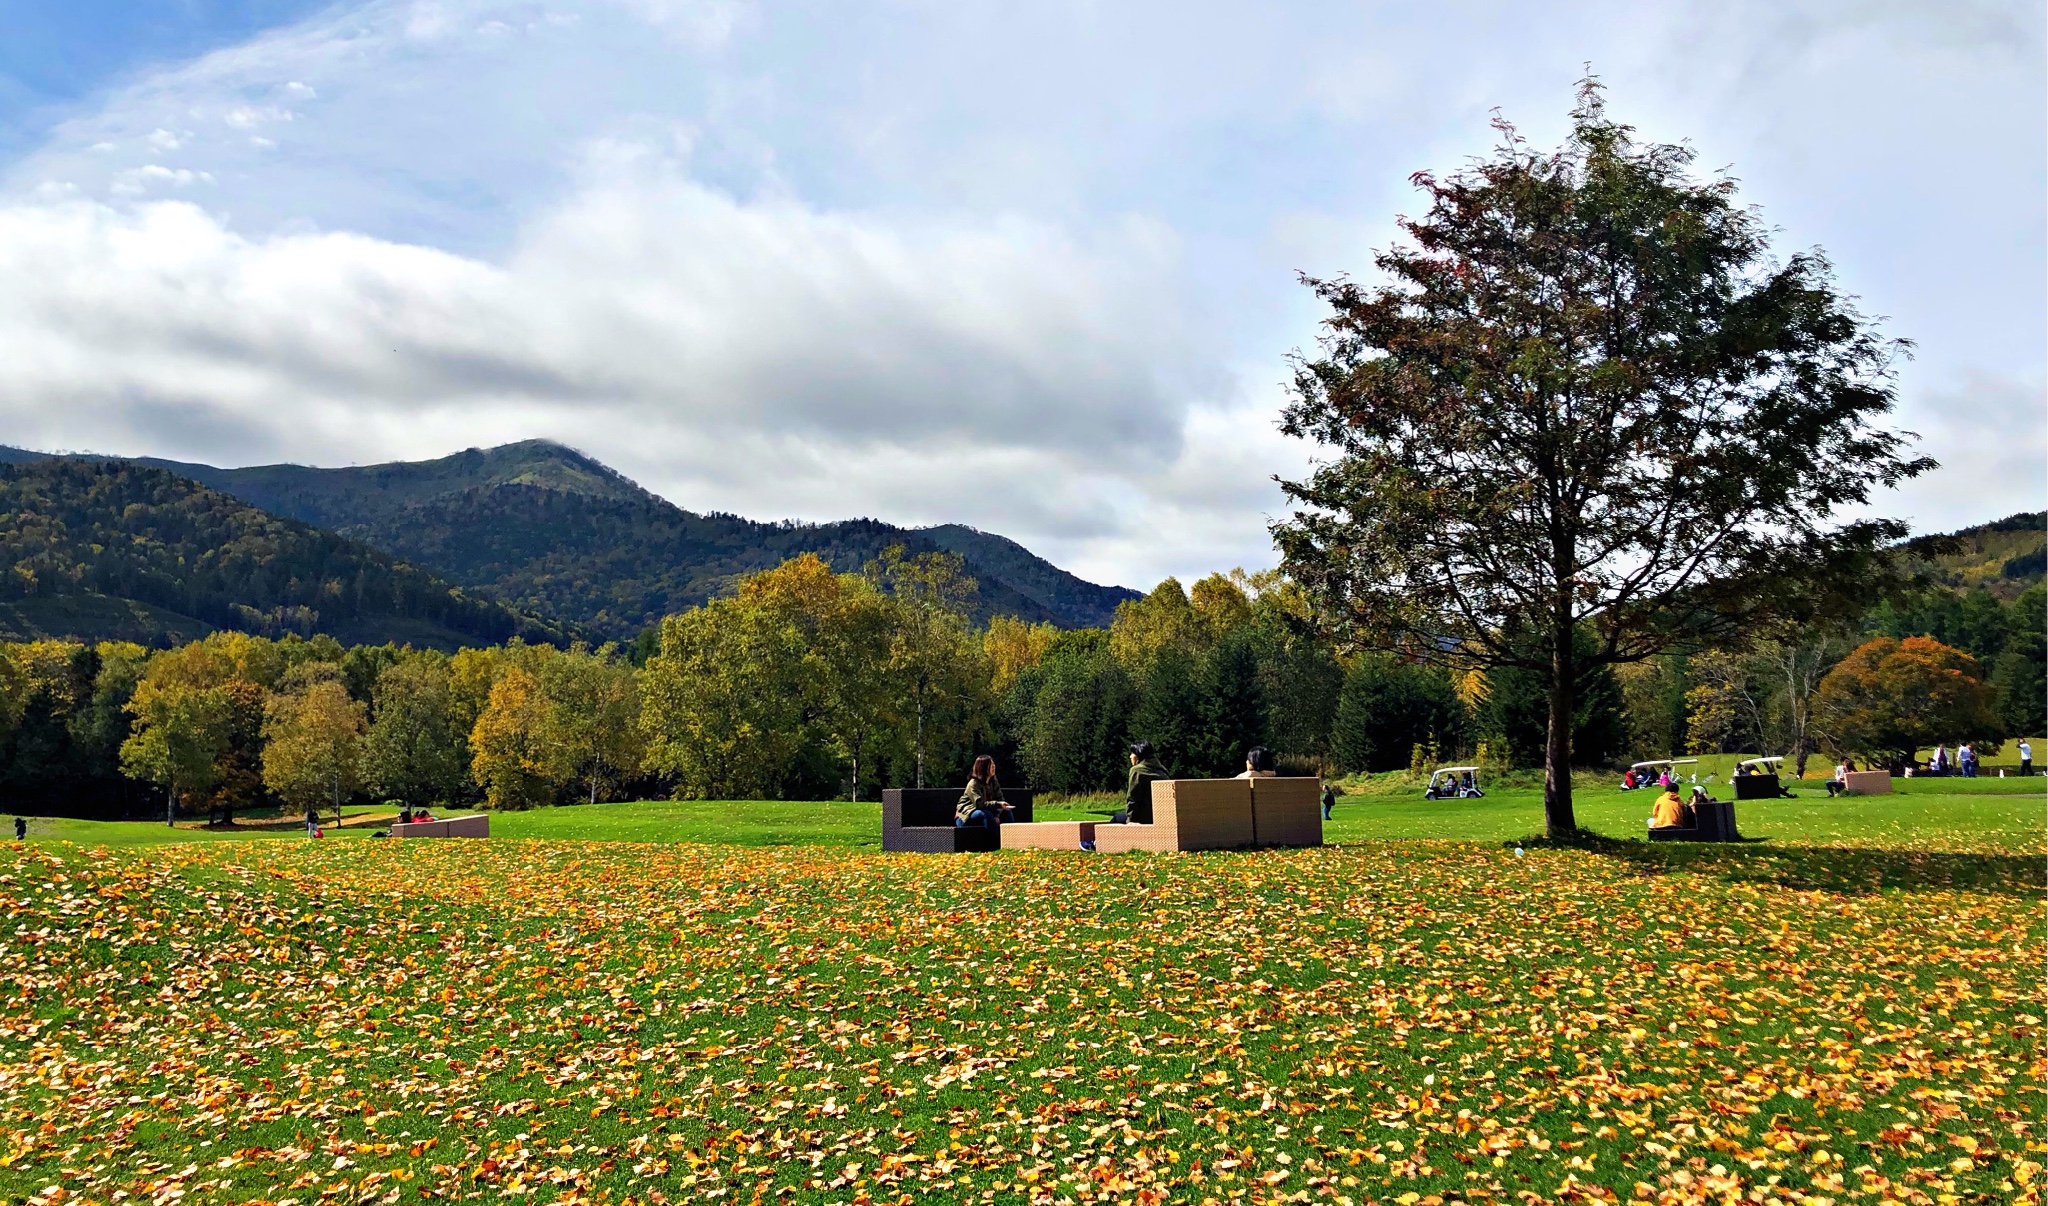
(1891, 697)
(1586, 400)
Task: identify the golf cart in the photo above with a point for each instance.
(1453, 783)
(1645, 773)
(1757, 779)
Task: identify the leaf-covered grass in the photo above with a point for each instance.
(1396, 1023)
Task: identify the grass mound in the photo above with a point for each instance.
(369, 1022)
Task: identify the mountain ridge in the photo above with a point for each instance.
(108, 549)
(542, 527)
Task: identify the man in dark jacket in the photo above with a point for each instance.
(1145, 768)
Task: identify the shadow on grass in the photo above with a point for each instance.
(1825, 868)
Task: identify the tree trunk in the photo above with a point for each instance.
(593, 787)
(856, 774)
(171, 803)
(920, 735)
(1558, 821)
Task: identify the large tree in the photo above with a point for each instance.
(416, 749)
(312, 744)
(597, 715)
(1587, 400)
(517, 755)
(933, 650)
(1890, 698)
(731, 703)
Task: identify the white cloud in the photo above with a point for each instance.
(248, 117)
(760, 353)
(155, 175)
(1990, 434)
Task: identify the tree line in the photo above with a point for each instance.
(811, 684)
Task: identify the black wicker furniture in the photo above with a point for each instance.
(920, 820)
(1713, 821)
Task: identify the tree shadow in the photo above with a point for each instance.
(1846, 869)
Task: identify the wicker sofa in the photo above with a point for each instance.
(920, 820)
(1713, 821)
(1223, 814)
(476, 825)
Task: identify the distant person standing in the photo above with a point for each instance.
(1966, 757)
(1939, 763)
(2026, 759)
(20, 829)
(1329, 799)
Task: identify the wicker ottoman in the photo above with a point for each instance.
(1047, 835)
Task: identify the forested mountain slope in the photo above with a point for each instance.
(1076, 603)
(97, 550)
(544, 528)
(2004, 557)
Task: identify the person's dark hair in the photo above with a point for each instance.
(1142, 749)
(1259, 758)
(984, 768)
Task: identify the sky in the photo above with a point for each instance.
(1027, 267)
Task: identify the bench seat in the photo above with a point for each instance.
(1047, 835)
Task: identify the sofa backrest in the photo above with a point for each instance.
(1287, 812)
(1205, 814)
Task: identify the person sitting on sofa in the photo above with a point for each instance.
(1258, 764)
(981, 801)
(1145, 771)
(1669, 812)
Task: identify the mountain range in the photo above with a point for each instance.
(111, 550)
(545, 532)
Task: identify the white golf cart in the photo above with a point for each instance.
(1757, 779)
(1453, 783)
(1646, 773)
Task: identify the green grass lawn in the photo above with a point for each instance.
(1990, 814)
(1933, 814)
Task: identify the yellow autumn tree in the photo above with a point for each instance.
(1013, 646)
(516, 757)
(312, 745)
(1220, 604)
(1163, 620)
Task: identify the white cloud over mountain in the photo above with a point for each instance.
(1030, 270)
